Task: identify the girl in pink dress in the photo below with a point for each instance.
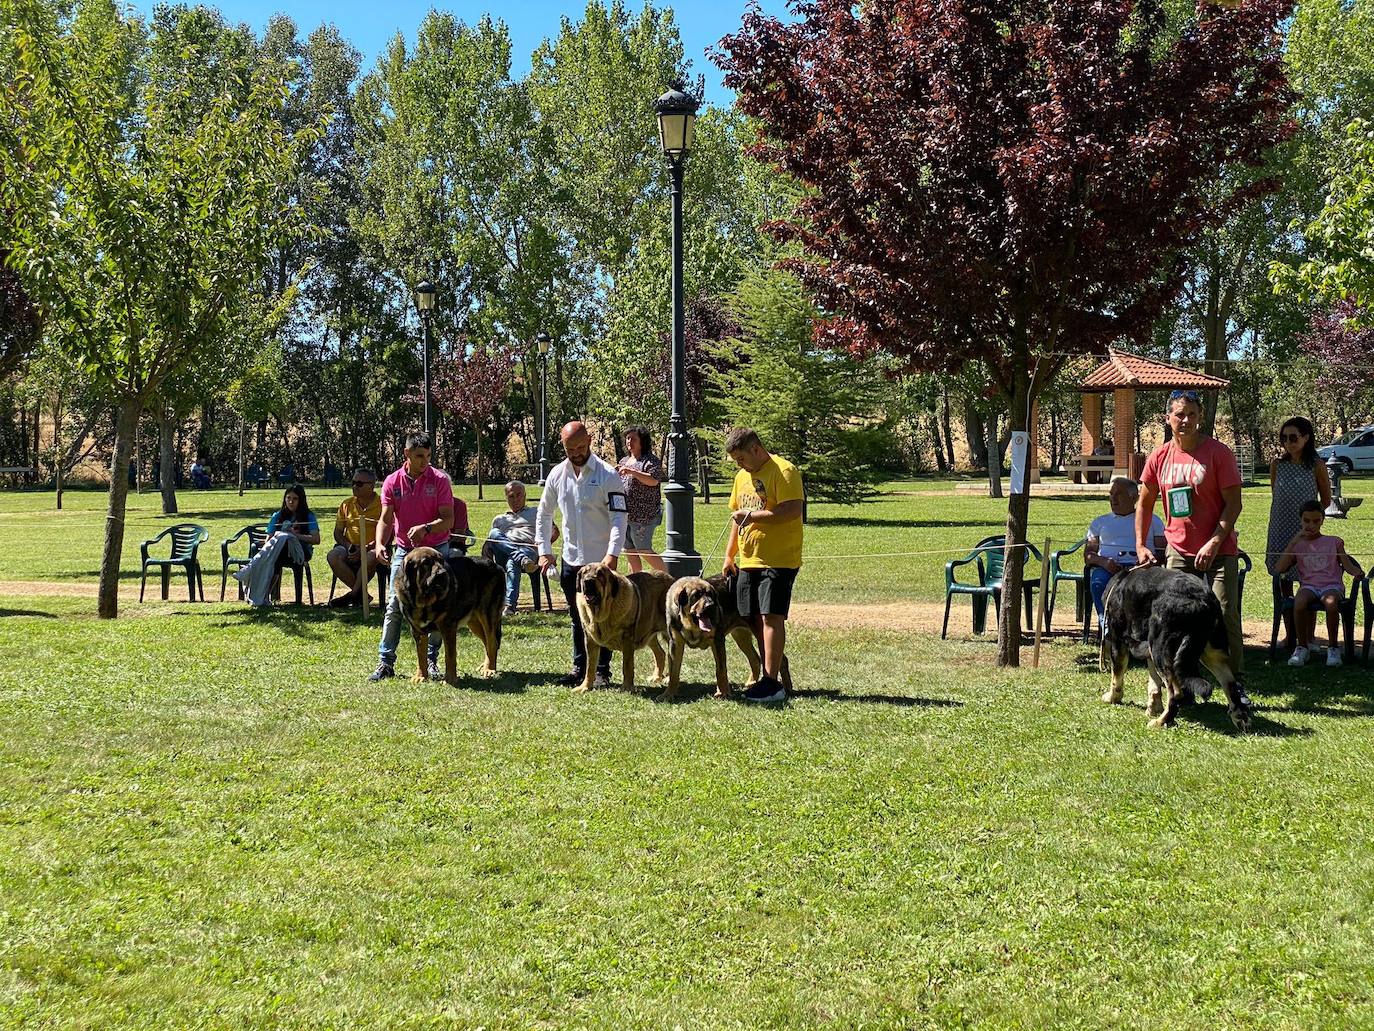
(1320, 560)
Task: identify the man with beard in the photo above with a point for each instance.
(588, 493)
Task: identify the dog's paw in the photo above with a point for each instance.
(1156, 707)
(1158, 723)
(1240, 717)
(718, 693)
(581, 689)
(664, 698)
(485, 673)
(1112, 697)
(419, 678)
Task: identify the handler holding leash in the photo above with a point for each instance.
(589, 494)
(1200, 482)
(765, 552)
(418, 509)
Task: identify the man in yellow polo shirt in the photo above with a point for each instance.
(765, 550)
(346, 558)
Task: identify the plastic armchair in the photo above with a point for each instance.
(186, 541)
(989, 557)
(1359, 591)
(1081, 600)
(257, 536)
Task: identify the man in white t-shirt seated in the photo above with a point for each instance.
(1111, 539)
(510, 544)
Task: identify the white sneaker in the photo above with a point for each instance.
(1299, 656)
(1333, 656)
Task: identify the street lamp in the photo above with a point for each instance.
(424, 300)
(677, 113)
(542, 341)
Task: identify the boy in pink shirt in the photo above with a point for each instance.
(1320, 560)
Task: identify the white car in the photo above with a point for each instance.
(1354, 450)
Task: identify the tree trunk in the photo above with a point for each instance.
(944, 423)
(976, 436)
(940, 464)
(479, 463)
(126, 425)
(1018, 511)
(994, 458)
(243, 436)
(166, 457)
(57, 447)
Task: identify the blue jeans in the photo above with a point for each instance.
(1098, 578)
(511, 558)
(394, 621)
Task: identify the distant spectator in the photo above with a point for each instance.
(510, 543)
(1111, 540)
(331, 475)
(200, 475)
(642, 473)
(351, 559)
(292, 533)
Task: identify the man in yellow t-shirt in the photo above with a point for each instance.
(765, 550)
(346, 558)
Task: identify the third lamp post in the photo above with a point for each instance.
(424, 300)
(677, 112)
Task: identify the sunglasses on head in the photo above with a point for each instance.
(1187, 395)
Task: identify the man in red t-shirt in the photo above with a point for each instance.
(1199, 481)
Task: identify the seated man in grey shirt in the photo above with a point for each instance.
(510, 544)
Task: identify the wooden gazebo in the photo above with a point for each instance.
(1121, 375)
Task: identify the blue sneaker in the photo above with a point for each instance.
(766, 690)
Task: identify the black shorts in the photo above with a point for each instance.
(764, 592)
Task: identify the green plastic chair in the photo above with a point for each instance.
(186, 541)
(1079, 578)
(989, 556)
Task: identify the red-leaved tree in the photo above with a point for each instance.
(1345, 349)
(471, 386)
(1004, 181)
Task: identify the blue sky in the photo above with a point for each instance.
(368, 26)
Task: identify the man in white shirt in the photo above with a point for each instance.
(1111, 540)
(510, 542)
(589, 494)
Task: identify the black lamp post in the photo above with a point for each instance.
(542, 340)
(677, 112)
(424, 300)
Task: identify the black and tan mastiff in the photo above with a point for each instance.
(446, 593)
(623, 613)
(702, 613)
(1174, 622)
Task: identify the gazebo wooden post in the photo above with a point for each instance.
(1123, 430)
(1092, 422)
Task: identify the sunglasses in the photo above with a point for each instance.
(1290, 438)
(1187, 395)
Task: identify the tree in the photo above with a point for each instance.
(140, 211)
(1004, 182)
(1342, 343)
(471, 386)
(814, 405)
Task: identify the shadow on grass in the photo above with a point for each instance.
(302, 621)
(26, 612)
(904, 701)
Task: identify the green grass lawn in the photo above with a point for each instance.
(209, 818)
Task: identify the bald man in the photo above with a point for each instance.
(589, 494)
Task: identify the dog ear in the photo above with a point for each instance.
(615, 584)
(437, 572)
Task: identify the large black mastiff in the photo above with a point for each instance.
(1174, 622)
(446, 593)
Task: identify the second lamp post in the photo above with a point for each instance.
(677, 112)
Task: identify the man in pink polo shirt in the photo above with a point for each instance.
(418, 510)
(1199, 481)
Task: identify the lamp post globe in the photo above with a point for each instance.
(677, 112)
(424, 301)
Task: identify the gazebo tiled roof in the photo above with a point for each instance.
(1125, 370)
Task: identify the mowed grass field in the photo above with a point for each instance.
(208, 818)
